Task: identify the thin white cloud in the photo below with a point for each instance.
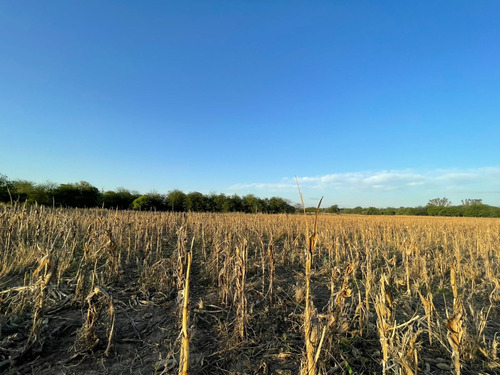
(378, 180)
(436, 182)
(262, 186)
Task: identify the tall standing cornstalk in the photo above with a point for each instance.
(310, 332)
(184, 355)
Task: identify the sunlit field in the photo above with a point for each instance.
(102, 291)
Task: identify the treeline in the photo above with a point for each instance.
(476, 209)
(82, 194)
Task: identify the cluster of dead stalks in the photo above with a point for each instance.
(354, 293)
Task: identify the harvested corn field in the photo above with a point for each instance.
(101, 291)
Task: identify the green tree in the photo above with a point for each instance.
(42, 194)
(357, 210)
(27, 191)
(216, 202)
(236, 203)
(388, 211)
(371, 211)
(80, 194)
(5, 188)
(22, 190)
(196, 202)
(226, 203)
(277, 205)
(481, 210)
(149, 202)
(333, 209)
(452, 211)
(251, 204)
(47, 193)
(121, 199)
(142, 203)
(175, 201)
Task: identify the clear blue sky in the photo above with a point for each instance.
(383, 103)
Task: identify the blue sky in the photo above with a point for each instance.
(368, 103)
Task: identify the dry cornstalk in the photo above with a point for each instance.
(455, 334)
(184, 354)
(114, 256)
(41, 290)
(310, 332)
(407, 353)
(181, 256)
(337, 299)
(86, 336)
(240, 298)
(383, 329)
(455, 324)
(368, 280)
(453, 282)
(429, 308)
(270, 258)
(81, 275)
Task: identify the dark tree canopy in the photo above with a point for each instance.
(121, 199)
(149, 202)
(80, 194)
(5, 187)
(196, 202)
(176, 201)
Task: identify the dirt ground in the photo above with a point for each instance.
(146, 335)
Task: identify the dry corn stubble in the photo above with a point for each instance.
(184, 353)
(87, 337)
(413, 252)
(312, 342)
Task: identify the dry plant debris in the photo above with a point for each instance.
(93, 291)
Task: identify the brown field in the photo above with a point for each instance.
(103, 292)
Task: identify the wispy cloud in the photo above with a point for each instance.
(415, 183)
